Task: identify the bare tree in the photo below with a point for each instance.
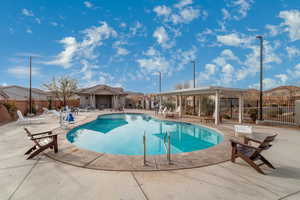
(63, 88)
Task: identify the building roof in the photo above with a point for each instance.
(205, 91)
(102, 90)
(36, 90)
(3, 94)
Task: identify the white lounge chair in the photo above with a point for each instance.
(26, 120)
(241, 130)
(54, 112)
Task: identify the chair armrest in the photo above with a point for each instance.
(48, 136)
(234, 142)
(41, 133)
(251, 139)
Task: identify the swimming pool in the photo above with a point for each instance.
(122, 134)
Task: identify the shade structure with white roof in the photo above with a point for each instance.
(216, 91)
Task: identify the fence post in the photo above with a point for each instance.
(297, 112)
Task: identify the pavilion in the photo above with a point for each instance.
(216, 91)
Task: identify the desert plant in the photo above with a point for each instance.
(63, 88)
(11, 108)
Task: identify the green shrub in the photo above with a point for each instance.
(225, 116)
(11, 108)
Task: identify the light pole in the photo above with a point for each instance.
(30, 85)
(261, 78)
(194, 83)
(159, 88)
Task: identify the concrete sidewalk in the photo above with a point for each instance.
(44, 178)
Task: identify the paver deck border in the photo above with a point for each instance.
(72, 155)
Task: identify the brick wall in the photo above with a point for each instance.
(22, 105)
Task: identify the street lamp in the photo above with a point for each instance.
(159, 88)
(194, 83)
(30, 85)
(261, 78)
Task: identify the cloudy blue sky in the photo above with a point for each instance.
(125, 43)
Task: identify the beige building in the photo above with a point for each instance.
(102, 97)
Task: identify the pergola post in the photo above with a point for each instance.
(217, 108)
(199, 108)
(180, 104)
(241, 108)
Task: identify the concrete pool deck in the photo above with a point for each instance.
(44, 178)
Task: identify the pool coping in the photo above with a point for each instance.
(72, 155)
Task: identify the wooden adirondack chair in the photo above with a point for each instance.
(42, 141)
(251, 154)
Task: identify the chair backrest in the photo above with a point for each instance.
(165, 110)
(266, 143)
(243, 129)
(20, 115)
(28, 133)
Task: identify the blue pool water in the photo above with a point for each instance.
(123, 134)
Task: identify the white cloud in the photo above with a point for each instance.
(291, 23)
(243, 6)
(233, 39)
(162, 10)
(85, 49)
(227, 75)
(137, 28)
(209, 71)
(27, 12)
(268, 83)
(23, 72)
(28, 30)
(274, 30)
(282, 77)
(65, 58)
(183, 12)
(189, 14)
(154, 64)
(292, 51)
(122, 51)
(226, 14)
(54, 23)
(162, 37)
(88, 4)
(225, 56)
(183, 3)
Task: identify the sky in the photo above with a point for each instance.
(126, 43)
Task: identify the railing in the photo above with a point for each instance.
(145, 149)
(168, 148)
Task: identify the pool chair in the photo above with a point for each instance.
(251, 154)
(42, 141)
(51, 112)
(174, 114)
(23, 120)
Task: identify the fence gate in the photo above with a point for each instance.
(279, 111)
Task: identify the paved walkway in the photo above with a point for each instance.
(44, 178)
